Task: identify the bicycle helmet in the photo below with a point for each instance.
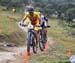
(30, 9)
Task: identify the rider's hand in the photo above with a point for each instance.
(21, 24)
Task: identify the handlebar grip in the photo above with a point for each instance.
(22, 25)
(48, 26)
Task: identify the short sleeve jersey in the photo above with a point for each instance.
(33, 19)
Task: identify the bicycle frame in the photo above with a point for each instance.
(43, 38)
(32, 40)
(30, 33)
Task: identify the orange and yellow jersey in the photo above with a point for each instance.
(34, 20)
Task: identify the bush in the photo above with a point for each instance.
(70, 14)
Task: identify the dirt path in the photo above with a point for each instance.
(16, 54)
(13, 55)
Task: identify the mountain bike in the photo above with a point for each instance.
(31, 39)
(42, 37)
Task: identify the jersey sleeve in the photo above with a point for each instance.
(46, 18)
(25, 16)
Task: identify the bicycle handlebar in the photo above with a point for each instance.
(48, 26)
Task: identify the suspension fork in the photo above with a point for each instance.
(29, 36)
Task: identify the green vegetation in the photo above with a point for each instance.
(9, 30)
(60, 34)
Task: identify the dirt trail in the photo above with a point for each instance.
(13, 55)
(16, 54)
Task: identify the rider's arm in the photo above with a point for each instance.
(39, 19)
(24, 18)
(46, 19)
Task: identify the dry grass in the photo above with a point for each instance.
(9, 30)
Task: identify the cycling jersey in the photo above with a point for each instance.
(43, 21)
(34, 20)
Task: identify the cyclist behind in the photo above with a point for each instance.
(44, 23)
(34, 19)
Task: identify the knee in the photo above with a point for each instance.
(45, 30)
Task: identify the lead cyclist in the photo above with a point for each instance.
(34, 19)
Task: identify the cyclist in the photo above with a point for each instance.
(44, 23)
(34, 19)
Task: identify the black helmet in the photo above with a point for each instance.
(30, 9)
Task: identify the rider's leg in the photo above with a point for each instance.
(45, 31)
(45, 34)
(37, 37)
